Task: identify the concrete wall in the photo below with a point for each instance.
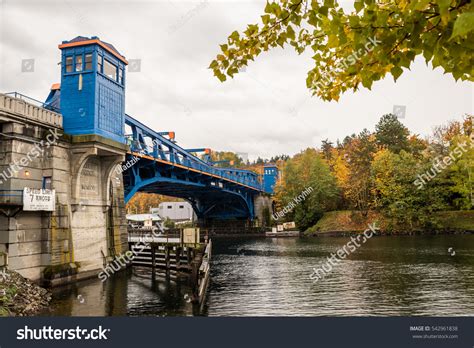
(261, 203)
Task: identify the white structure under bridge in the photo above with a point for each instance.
(175, 211)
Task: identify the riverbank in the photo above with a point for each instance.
(21, 297)
(337, 223)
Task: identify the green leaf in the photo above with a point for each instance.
(234, 36)
(463, 25)
(443, 6)
(396, 72)
(358, 5)
(290, 32)
(323, 10)
(354, 21)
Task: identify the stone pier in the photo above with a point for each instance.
(263, 205)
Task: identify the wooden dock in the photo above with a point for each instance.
(279, 234)
(179, 253)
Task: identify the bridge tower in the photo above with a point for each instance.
(270, 177)
(92, 88)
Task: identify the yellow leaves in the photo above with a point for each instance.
(340, 169)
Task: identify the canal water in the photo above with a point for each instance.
(387, 276)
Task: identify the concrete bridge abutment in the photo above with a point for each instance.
(87, 227)
(263, 207)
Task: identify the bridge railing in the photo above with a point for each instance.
(162, 148)
(173, 235)
(32, 101)
(30, 108)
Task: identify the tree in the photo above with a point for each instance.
(396, 195)
(141, 202)
(168, 223)
(461, 172)
(233, 159)
(340, 169)
(360, 47)
(326, 148)
(307, 171)
(392, 134)
(359, 154)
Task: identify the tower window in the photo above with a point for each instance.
(69, 64)
(89, 61)
(110, 70)
(78, 63)
(99, 64)
(120, 77)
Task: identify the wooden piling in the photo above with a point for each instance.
(191, 258)
(153, 258)
(178, 258)
(167, 259)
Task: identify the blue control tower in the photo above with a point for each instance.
(270, 177)
(92, 88)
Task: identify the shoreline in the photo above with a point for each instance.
(349, 222)
(387, 234)
(20, 296)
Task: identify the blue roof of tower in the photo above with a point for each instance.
(83, 40)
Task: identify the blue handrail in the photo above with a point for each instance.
(164, 149)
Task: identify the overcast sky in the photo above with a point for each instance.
(263, 111)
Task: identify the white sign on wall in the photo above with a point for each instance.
(191, 235)
(38, 199)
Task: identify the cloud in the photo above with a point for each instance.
(264, 111)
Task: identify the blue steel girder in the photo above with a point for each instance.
(166, 168)
(205, 198)
(146, 176)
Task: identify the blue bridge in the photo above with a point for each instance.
(91, 98)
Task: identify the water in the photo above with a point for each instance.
(387, 276)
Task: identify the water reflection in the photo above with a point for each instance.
(260, 277)
(134, 292)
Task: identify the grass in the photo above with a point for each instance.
(7, 293)
(457, 220)
(354, 221)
